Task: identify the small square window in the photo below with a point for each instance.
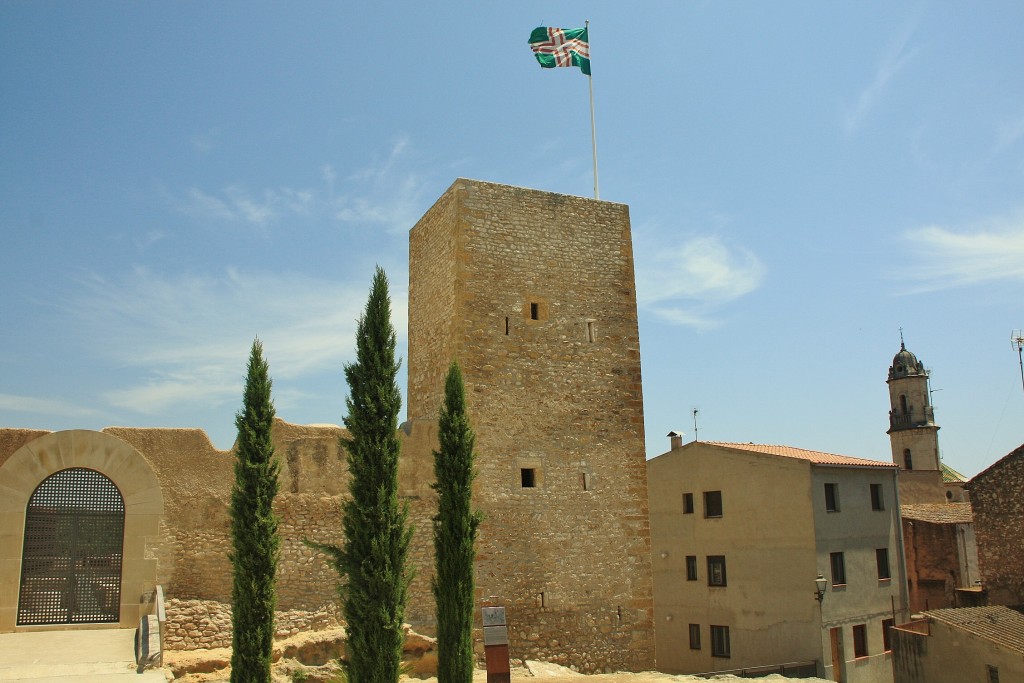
(712, 503)
(687, 503)
(838, 569)
(716, 570)
(534, 311)
(876, 497)
(528, 477)
(882, 560)
(832, 497)
(887, 625)
(860, 641)
(691, 567)
(720, 641)
(694, 636)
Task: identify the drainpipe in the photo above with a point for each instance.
(904, 598)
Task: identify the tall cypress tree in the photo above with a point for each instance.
(455, 530)
(256, 544)
(371, 562)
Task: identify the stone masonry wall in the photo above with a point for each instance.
(533, 293)
(543, 322)
(998, 519)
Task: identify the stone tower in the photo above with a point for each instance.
(533, 293)
(912, 432)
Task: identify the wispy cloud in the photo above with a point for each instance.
(1008, 133)
(205, 141)
(688, 282)
(237, 204)
(893, 60)
(188, 335)
(989, 251)
(380, 194)
(30, 404)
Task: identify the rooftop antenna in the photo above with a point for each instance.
(902, 345)
(695, 411)
(1017, 340)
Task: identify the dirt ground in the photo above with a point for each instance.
(311, 657)
(532, 672)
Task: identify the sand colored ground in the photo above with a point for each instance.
(531, 672)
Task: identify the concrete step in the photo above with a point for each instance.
(72, 656)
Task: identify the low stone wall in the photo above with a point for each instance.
(206, 624)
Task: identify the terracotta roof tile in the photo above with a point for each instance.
(939, 513)
(815, 457)
(1001, 625)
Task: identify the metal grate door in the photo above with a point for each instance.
(74, 540)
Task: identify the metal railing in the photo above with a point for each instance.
(913, 418)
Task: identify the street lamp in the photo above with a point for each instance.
(819, 586)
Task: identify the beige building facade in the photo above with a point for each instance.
(741, 532)
(533, 293)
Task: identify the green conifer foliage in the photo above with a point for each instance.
(256, 544)
(455, 531)
(372, 559)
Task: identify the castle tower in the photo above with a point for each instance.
(912, 431)
(533, 293)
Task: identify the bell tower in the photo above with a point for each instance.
(913, 434)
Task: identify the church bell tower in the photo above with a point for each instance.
(913, 434)
(912, 429)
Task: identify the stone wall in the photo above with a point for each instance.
(533, 293)
(998, 519)
(206, 624)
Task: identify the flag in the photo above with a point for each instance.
(561, 47)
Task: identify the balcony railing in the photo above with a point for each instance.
(915, 417)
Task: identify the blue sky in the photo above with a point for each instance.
(804, 179)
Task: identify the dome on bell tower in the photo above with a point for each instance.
(905, 364)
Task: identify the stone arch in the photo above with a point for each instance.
(27, 467)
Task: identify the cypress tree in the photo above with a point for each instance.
(371, 561)
(254, 533)
(455, 530)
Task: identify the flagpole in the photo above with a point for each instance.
(593, 127)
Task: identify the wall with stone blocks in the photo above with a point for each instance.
(533, 293)
(998, 519)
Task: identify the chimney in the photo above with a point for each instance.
(676, 439)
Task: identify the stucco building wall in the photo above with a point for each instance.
(931, 651)
(770, 559)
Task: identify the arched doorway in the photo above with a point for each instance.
(73, 550)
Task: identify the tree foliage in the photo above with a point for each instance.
(371, 562)
(255, 540)
(455, 531)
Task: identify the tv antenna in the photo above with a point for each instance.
(695, 411)
(1017, 340)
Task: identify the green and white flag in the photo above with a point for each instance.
(561, 47)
